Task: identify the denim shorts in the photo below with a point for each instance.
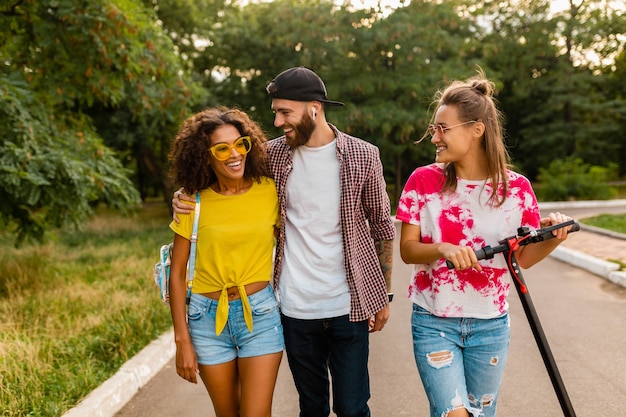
(460, 360)
(235, 340)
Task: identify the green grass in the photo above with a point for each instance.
(616, 223)
(73, 311)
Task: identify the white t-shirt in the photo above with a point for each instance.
(313, 280)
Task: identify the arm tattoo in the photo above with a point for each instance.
(384, 249)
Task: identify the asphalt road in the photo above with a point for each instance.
(582, 316)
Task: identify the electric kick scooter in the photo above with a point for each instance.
(507, 247)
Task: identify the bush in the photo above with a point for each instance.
(571, 179)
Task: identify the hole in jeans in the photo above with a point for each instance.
(440, 359)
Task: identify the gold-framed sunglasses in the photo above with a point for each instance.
(222, 151)
(441, 130)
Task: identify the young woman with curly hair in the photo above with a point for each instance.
(231, 332)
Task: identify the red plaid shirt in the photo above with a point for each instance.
(365, 217)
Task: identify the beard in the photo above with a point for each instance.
(302, 132)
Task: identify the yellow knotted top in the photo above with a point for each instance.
(235, 243)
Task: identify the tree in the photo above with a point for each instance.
(613, 89)
(52, 167)
(384, 68)
(395, 66)
(66, 62)
(250, 48)
(552, 93)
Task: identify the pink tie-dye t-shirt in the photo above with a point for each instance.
(464, 217)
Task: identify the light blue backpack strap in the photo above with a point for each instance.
(192, 249)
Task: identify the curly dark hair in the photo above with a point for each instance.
(190, 152)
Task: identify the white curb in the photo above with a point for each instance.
(114, 393)
(582, 260)
(618, 277)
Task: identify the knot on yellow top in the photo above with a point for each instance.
(222, 309)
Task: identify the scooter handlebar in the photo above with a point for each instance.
(487, 252)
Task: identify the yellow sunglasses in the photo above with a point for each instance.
(222, 151)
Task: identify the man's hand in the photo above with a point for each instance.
(379, 320)
(182, 203)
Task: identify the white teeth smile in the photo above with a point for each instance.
(440, 148)
(234, 164)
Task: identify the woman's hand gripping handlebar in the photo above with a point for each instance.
(525, 235)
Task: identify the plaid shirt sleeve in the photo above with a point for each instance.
(281, 164)
(365, 219)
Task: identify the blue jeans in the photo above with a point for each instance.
(460, 360)
(236, 340)
(315, 346)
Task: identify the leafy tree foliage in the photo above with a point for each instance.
(552, 94)
(69, 69)
(395, 68)
(613, 89)
(189, 24)
(250, 49)
(384, 69)
(52, 168)
(570, 178)
(95, 90)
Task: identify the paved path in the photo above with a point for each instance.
(582, 317)
(581, 314)
(602, 247)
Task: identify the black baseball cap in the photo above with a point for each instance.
(299, 84)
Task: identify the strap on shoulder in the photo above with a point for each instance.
(192, 249)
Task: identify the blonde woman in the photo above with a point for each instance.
(467, 199)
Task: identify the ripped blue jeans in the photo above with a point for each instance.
(460, 361)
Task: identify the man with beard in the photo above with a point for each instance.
(334, 254)
(332, 269)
